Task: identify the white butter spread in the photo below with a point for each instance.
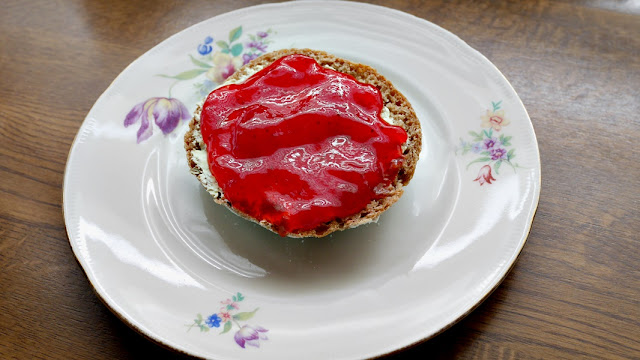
(245, 75)
(385, 114)
(200, 158)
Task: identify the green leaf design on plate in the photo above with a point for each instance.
(223, 45)
(497, 166)
(482, 159)
(235, 34)
(236, 50)
(190, 74)
(476, 136)
(227, 327)
(244, 316)
(199, 63)
(510, 154)
(240, 297)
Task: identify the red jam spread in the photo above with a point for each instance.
(299, 145)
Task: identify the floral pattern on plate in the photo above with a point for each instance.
(489, 146)
(226, 317)
(216, 60)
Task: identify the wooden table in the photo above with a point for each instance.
(573, 293)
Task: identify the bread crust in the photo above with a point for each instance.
(399, 107)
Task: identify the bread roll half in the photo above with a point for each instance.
(396, 110)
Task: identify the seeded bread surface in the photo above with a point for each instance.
(399, 108)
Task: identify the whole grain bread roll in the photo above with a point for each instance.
(398, 111)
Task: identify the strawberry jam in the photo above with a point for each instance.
(299, 145)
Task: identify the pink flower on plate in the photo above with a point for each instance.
(495, 120)
(225, 316)
(230, 304)
(166, 113)
(224, 65)
(484, 176)
(250, 335)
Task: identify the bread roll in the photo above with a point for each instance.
(396, 110)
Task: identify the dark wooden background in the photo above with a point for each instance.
(575, 290)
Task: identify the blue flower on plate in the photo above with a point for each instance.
(205, 48)
(213, 321)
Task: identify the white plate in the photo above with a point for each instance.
(159, 252)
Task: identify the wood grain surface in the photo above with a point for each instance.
(573, 293)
